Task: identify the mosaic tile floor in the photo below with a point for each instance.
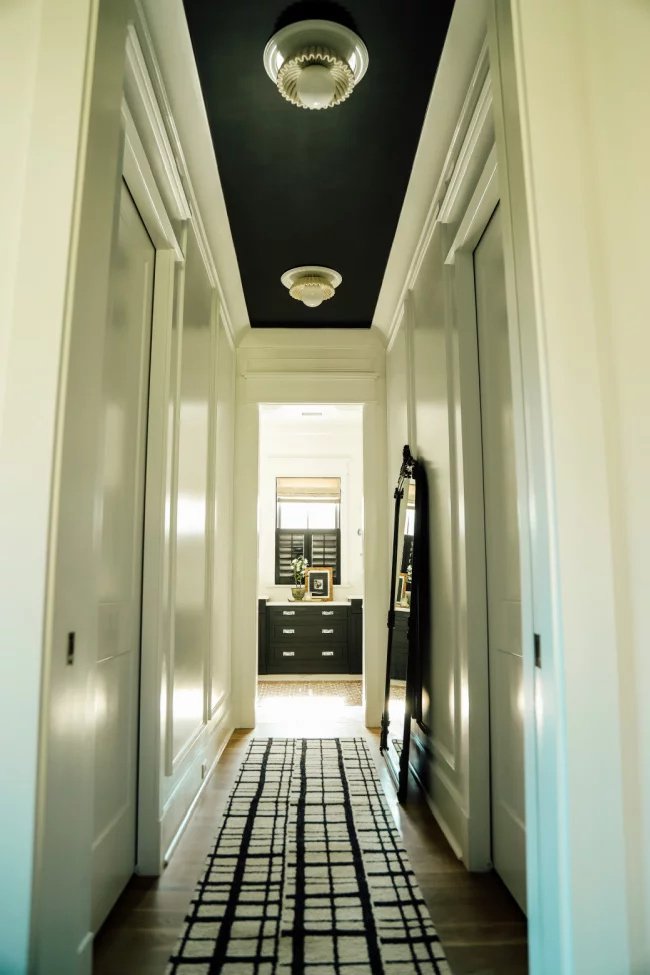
(347, 692)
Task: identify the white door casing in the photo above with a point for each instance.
(125, 399)
(503, 566)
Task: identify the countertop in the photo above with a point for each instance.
(309, 602)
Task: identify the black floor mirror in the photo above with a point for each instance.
(401, 655)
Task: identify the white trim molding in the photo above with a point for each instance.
(139, 92)
(452, 107)
(144, 190)
(167, 53)
(481, 207)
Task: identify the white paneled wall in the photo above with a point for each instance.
(196, 690)
(223, 520)
(67, 64)
(424, 384)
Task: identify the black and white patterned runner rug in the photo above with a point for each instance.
(308, 875)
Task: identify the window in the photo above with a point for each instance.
(308, 512)
(409, 528)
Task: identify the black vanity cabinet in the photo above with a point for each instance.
(310, 638)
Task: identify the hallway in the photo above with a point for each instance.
(481, 928)
(205, 446)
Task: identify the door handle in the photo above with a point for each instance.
(288, 631)
(327, 612)
(327, 631)
(288, 653)
(327, 653)
(288, 612)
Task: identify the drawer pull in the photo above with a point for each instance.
(327, 653)
(288, 653)
(327, 631)
(288, 631)
(327, 612)
(288, 612)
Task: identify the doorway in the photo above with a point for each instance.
(311, 566)
(125, 394)
(505, 661)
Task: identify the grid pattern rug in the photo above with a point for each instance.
(308, 875)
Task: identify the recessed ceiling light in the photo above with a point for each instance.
(316, 63)
(311, 284)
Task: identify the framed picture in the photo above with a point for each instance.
(318, 584)
(402, 582)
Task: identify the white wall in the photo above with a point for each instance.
(329, 367)
(64, 182)
(588, 215)
(432, 404)
(293, 445)
(573, 163)
(429, 407)
(19, 34)
(195, 691)
(49, 226)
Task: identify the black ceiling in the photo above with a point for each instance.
(315, 187)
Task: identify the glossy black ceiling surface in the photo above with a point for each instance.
(315, 187)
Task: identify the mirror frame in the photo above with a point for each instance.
(407, 472)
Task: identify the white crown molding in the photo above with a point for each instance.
(137, 80)
(164, 12)
(299, 374)
(473, 121)
(463, 68)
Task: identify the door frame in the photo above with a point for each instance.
(465, 233)
(162, 435)
(460, 255)
(158, 534)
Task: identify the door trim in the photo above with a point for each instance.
(158, 553)
(478, 213)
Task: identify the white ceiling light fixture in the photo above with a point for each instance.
(311, 284)
(316, 63)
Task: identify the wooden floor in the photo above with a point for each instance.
(480, 926)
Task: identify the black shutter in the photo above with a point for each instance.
(326, 551)
(318, 547)
(288, 546)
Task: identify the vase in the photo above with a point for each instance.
(298, 593)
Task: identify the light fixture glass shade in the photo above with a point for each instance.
(316, 86)
(310, 59)
(311, 284)
(312, 295)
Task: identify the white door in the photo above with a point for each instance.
(125, 399)
(502, 552)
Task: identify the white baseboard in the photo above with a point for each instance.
(443, 801)
(181, 803)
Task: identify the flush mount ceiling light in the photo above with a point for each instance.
(311, 284)
(316, 63)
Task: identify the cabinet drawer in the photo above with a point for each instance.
(312, 631)
(307, 613)
(311, 659)
(331, 613)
